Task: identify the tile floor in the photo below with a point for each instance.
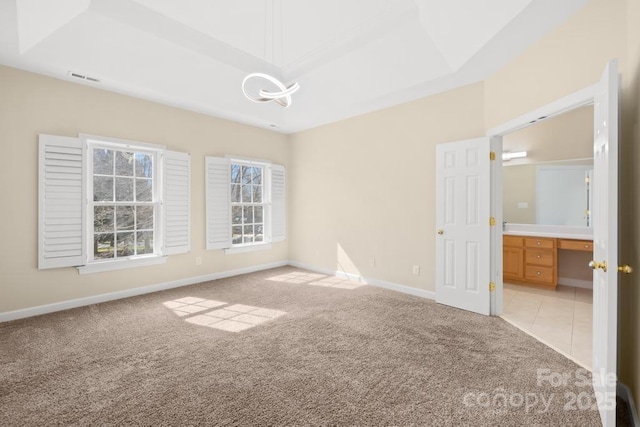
(560, 318)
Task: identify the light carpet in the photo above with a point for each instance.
(310, 350)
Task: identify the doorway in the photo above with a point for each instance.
(547, 173)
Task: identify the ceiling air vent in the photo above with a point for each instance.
(83, 77)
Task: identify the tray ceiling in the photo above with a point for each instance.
(349, 56)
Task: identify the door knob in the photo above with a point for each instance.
(595, 265)
(440, 231)
(625, 269)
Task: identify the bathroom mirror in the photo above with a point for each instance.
(551, 193)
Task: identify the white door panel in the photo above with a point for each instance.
(462, 218)
(605, 243)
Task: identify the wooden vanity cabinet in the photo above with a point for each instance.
(530, 260)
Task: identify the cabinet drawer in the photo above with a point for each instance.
(540, 243)
(539, 274)
(511, 241)
(576, 245)
(539, 257)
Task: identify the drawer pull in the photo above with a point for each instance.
(586, 246)
(538, 273)
(538, 243)
(538, 256)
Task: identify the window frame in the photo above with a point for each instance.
(93, 264)
(266, 206)
(218, 204)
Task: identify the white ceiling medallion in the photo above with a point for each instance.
(283, 95)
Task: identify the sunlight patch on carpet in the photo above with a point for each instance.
(189, 305)
(235, 318)
(314, 279)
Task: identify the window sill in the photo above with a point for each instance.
(99, 267)
(247, 248)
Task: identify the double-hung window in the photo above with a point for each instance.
(246, 204)
(124, 202)
(107, 204)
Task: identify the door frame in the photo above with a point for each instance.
(570, 102)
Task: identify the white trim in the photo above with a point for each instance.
(81, 302)
(247, 160)
(369, 281)
(577, 99)
(567, 355)
(120, 264)
(576, 283)
(624, 392)
(118, 142)
(496, 298)
(247, 248)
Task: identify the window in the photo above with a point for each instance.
(124, 203)
(107, 204)
(245, 204)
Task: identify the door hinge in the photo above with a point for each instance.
(492, 287)
(492, 221)
(492, 155)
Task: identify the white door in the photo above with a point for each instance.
(462, 224)
(605, 243)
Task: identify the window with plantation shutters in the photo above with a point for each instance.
(107, 204)
(246, 204)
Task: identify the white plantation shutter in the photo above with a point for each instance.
(177, 229)
(218, 199)
(60, 196)
(278, 204)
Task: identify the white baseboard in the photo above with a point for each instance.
(95, 299)
(576, 283)
(80, 302)
(625, 394)
(369, 281)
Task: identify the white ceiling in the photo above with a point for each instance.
(349, 56)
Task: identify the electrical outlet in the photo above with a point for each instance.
(198, 260)
(372, 262)
(416, 270)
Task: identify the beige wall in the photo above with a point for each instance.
(32, 104)
(363, 188)
(565, 137)
(566, 60)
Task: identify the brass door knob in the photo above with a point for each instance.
(440, 231)
(625, 269)
(595, 265)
